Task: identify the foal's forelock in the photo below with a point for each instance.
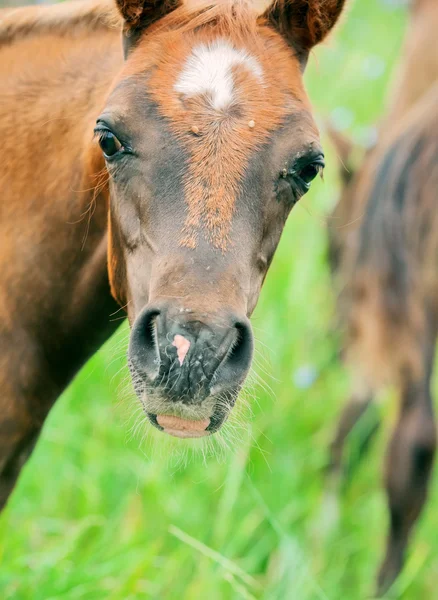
(221, 95)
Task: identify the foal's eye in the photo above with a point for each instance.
(309, 172)
(306, 172)
(109, 143)
(302, 173)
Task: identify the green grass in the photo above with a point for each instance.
(99, 513)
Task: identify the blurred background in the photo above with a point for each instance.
(105, 509)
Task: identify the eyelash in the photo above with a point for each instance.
(103, 134)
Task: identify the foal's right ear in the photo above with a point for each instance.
(304, 23)
(139, 14)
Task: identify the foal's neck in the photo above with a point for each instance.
(418, 69)
(53, 275)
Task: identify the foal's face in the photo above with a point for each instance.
(209, 143)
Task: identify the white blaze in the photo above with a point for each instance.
(209, 70)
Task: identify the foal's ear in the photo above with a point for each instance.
(344, 149)
(139, 14)
(304, 23)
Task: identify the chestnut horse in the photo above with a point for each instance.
(384, 246)
(203, 142)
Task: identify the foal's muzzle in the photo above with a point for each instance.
(188, 366)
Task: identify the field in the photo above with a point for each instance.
(105, 510)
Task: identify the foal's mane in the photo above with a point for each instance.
(65, 18)
(229, 15)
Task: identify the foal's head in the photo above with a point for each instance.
(209, 141)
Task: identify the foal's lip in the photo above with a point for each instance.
(183, 428)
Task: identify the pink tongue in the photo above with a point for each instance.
(176, 424)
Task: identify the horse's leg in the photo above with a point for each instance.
(17, 439)
(408, 466)
(26, 396)
(37, 362)
(352, 412)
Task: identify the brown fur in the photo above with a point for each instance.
(224, 141)
(416, 72)
(58, 66)
(384, 239)
(54, 294)
(66, 18)
(384, 308)
(418, 68)
(311, 20)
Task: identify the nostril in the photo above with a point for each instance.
(143, 346)
(241, 348)
(236, 363)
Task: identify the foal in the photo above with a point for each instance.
(203, 142)
(384, 247)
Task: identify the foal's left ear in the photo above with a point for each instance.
(304, 23)
(139, 14)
